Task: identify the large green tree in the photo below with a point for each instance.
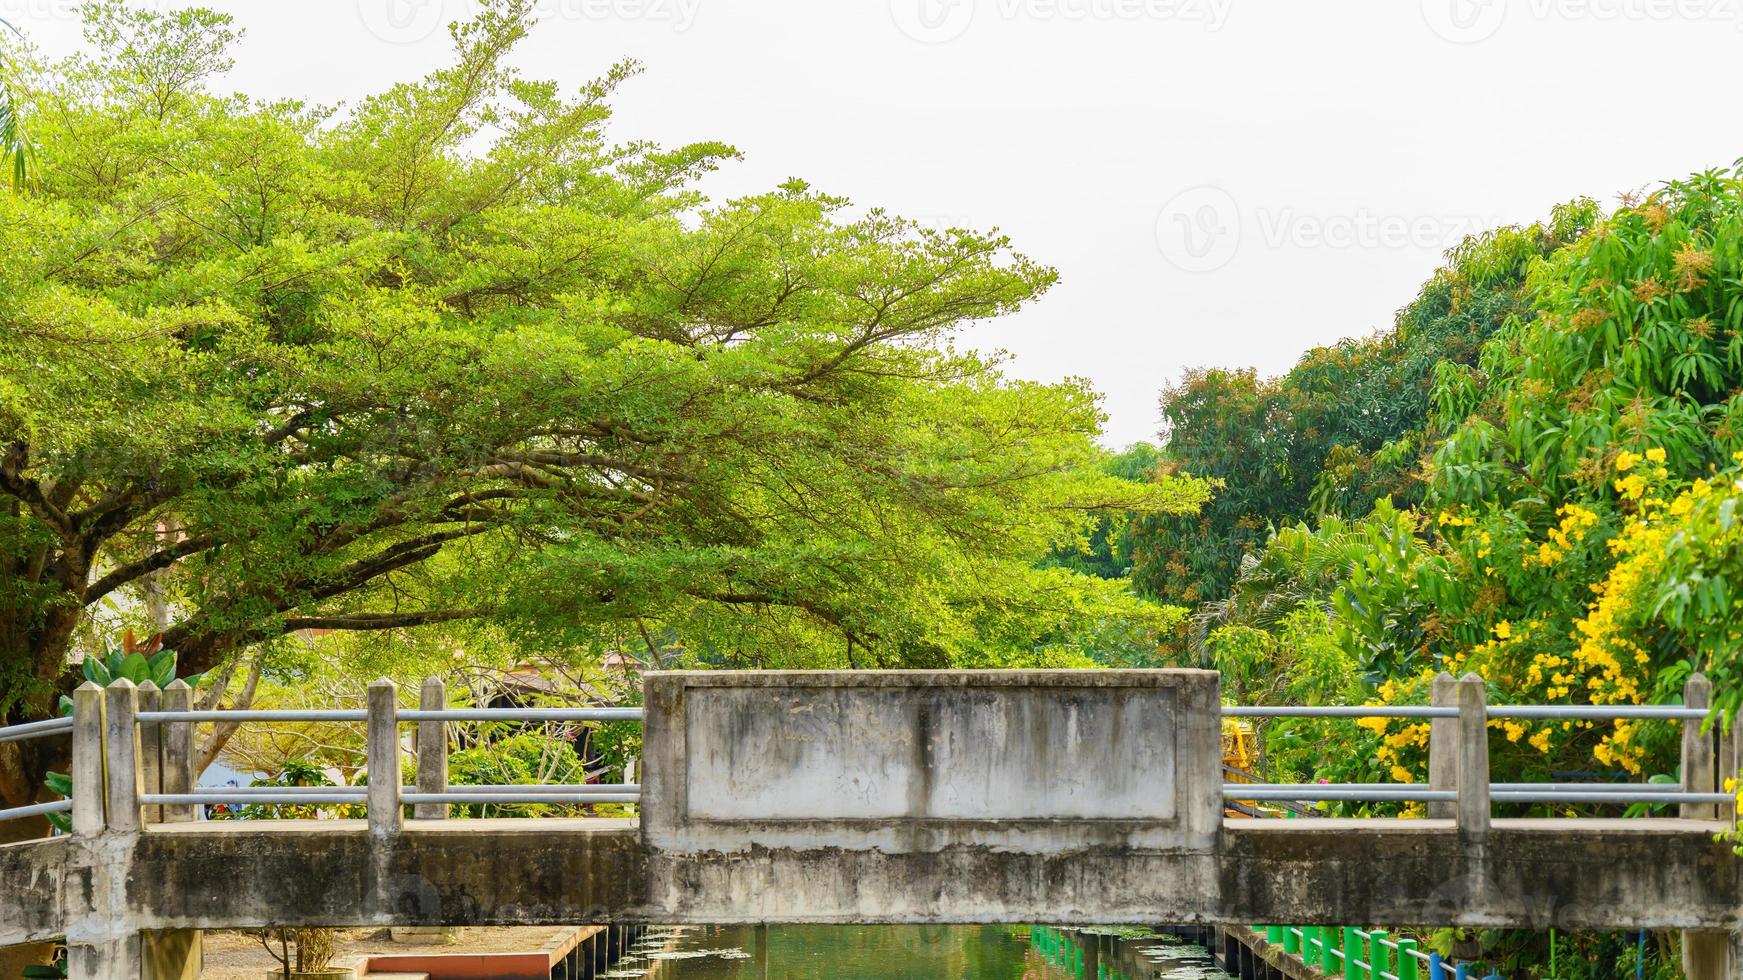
(454, 356)
(1347, 425)
(1576, 540)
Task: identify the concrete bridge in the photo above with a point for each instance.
(1061, 797)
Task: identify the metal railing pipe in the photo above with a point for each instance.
(311, 791)
(558, 789)
(256, 714)
(250, 799)
(1318, 791)
(1597, 712)
(1339, 711)
(36, 809)
(522, 714)
(1678, 796)
(36, 729)
(1585, 787)
(1567, 712)
(452, 797)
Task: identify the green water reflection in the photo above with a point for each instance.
(890, 952)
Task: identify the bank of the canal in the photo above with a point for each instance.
(911, 953)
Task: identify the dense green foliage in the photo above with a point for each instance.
(453, 359)
(1106, 552)
(1349, 424)
(1567, 528)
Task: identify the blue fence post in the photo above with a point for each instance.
(1435, 971)
(1463, 972)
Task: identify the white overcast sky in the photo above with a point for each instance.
(1219, 182)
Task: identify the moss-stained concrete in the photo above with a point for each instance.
(1537, 874)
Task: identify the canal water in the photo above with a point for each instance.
(910, 953)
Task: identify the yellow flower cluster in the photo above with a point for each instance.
(1515, 731)
(1607, 664)
(1633, 486)
(1402, 746)
(1575, 522)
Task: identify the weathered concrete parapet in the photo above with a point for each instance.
(881, 796)
(915, 761)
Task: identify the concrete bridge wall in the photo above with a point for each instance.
(752, 812)
(1532, 874)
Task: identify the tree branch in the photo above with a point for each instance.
(380, 621)
(15, 483)
(145, 566)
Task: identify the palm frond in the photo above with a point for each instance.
(14, 142)
(14, 146)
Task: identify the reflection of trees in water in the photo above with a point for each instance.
(924, 952)
(1118, 954)
(870, 952)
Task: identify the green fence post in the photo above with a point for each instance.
(1273, 934)
(1407, 961)
(1329, 964)
(1379, 957)
(1313, 944)
(1352, 948)
(1292, 939)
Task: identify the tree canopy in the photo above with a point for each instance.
(1347, 425)
(453, 356)
(1571, 532)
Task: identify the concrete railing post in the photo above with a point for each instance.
(432, 750)
(150, 750)
(1473, 757)
(1729, 761)
(89, 787)
(178, 751)
(383, 752)
(1443, 740)
(1699, 767)
(1705, 955)
(121, 755)
(107, 958)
